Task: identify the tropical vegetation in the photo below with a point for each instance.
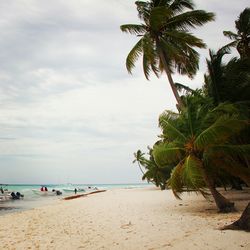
(241, 39)
(199, 142)
(165, 42)
(206, 144)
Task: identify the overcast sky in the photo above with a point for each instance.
(70, 112)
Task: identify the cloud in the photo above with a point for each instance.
(70, 112)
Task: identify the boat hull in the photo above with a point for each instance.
(72, 190)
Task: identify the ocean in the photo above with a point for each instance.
(33, 199)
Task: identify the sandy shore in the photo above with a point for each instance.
(144, 218)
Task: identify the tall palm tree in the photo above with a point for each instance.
(197, 142)
(165, 42)
(214, 79)
(227, 82)
(241, 39)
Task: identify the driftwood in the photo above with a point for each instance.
(243, 223)
(82, 195)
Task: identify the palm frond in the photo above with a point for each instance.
(184, 38)
(189, 63)
(170, 50)
(133, 55)
(230, 45)
(242, 151)
(243, 23)
(134, 29)
(219, 132)
(143, 9)
(192, 173)
(225, 109)
(175, 181)
(231, 35)
(233, 167)
(172, 132)
(146, 66)
(149, 57)
(181, 87)
(167, 153)
(168, 115)
(158, 17)
(190, 19)
(181, 5)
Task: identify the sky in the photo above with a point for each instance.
(69, 110)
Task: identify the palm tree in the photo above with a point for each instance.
(139, 157)
(197, 142)
(153, 173)
(227, 82)
(214, 79)
(165, 41)
(241, 39)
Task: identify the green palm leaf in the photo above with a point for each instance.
(143, 9)
(185, 37)
(167, 121)
(233, 151)
(242, 38)
(219, 132)
(192, 174)
(167, 153)
(158, 17)
(170, 49)
(175, 180)
(149, 57)
(231, 35)
(133, 55)
(232, 166)
(190, 19)
(134, 29)
(181, 5)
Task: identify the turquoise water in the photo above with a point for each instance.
(32, 200)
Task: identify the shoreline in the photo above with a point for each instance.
(141, 218)
(32, 201)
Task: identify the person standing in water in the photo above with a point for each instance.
(75, 190)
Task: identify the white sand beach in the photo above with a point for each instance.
(143, 218)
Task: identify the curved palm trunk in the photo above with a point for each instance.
(170, 79)
(243, 223)
(141, 168)
(223, 204)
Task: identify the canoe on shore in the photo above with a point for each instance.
(81, 195)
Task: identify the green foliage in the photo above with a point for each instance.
(241, 39)
(168, 153)
(227, 82)
(198, 141)
(165, 41)
(192, 174)
(153, 173)
(207, 142)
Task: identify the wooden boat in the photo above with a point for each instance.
(4, 193)
(5, 196)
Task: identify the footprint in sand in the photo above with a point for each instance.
(126, 226)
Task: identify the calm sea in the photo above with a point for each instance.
(32, 200)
